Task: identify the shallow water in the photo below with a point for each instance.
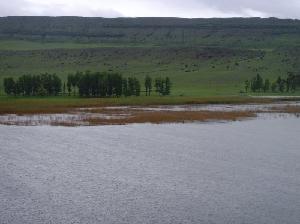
(206, 107)
(231, 172)
(81, 116)
(222, 107)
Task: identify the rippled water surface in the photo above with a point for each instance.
(231, 172)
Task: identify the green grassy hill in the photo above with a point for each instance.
(201, 56)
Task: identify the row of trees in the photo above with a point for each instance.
(102, 84)
(162, 86)
(33, 85)
(113, 84)
(87, 84)
(259, 84)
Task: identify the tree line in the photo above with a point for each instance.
(102, 84)
(86, 84)
(162, 86)
(259, 84)
(99, 84)
(33, 85)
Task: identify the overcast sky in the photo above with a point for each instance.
(145, 8)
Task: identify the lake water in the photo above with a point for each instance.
(218, 172)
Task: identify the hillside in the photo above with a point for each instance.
(235, 31)
(201, 56)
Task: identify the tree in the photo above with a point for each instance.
(117, 83)
(69, 84)
(89, 84)
(274, 87)
(42, 91)
(131, 86)
(167, 89)
(259, 82)
(247, 85)
(148, 85)
(64, 89)
(102, 84)
(9, 86)
(253, 85)
(56, 84)
(31, 85)
(125, 87)
(291, 82)
(137, 87)
(159, 85)
(163, 86)
(266, 85)
(281, 84)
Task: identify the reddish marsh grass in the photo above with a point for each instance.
(158, 117)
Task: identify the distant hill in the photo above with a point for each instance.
(230, 32)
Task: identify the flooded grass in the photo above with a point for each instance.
(54, 105)
(121, 115)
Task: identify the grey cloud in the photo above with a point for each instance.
(12, 7)
(276, 8)
(28, 8)
(176, 8)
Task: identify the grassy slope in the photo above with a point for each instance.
(23, 45)
(203, 57)
(214, 72)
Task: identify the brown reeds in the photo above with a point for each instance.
(158, 117)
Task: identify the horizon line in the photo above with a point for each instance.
(158, 17)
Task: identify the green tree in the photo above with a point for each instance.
(137, 87)
(131, 86)
(274, 87)
(42, 91)
(9, 86)
(259, 82)
(69, 84)
(281, 84)
(148, 85)
(125, 87)
(159, 85)
(64, 89)
(266, 87)
(291, 82)
(247, 85)
(167, 87)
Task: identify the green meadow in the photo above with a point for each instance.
(201, 57)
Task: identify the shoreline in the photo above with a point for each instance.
(156, 114)
(60, 105)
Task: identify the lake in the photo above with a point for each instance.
(206, 172)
